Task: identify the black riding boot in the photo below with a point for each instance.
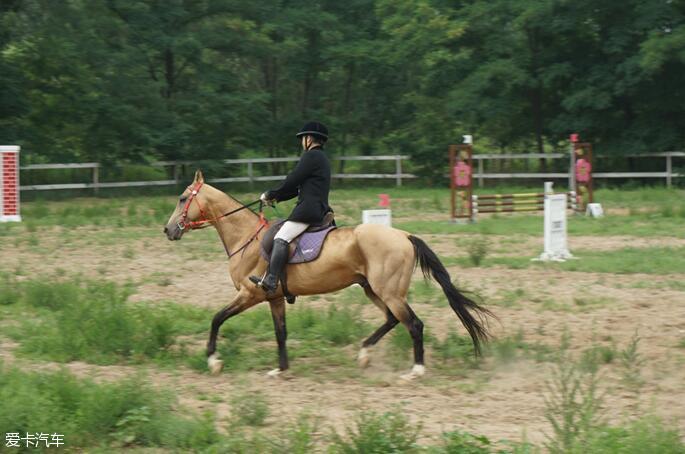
(279, 257)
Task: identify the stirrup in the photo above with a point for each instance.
(259, 282)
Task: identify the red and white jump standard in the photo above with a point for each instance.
(9, 183)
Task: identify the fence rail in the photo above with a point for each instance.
(399, 176)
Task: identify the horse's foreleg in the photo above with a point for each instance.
(241, 302)
(278, 315)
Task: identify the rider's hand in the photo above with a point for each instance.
(265, 198)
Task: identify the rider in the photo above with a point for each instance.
(311, 182)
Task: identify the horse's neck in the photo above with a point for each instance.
(235, 231)
(235, 228)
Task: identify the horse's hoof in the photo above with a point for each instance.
(215, 364)
(274, 373)
(363, 358)
(416, 372)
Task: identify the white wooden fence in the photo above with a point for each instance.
(398, 175)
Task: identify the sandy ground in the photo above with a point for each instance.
(502, 400)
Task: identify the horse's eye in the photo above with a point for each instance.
(183, 199)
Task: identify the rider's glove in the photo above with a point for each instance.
(265, 198)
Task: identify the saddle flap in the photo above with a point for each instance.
(304, 248)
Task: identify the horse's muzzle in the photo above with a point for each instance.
(173, 233)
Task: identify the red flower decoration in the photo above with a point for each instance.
(462, 174)
(583, 171)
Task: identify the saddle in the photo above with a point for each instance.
(304, 248)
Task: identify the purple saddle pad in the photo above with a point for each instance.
(307, 246)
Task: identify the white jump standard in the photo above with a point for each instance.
(556, 248)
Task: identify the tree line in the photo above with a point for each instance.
(125, 80)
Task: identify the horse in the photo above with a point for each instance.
(380, 259)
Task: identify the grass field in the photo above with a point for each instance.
(103, 324)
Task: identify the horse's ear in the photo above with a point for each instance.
(198, 177)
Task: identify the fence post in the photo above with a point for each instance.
(96, 178)
(250, 174)
(480, 173)
(571, 169)
(669, 169)
(398, 170)
(176, 169)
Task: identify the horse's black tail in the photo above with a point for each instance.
(431, 266)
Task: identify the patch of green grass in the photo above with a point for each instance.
(377, 433)
(125, 414)
(587, 302)
(478, 249)
(249, 409)
(455, 347)
(668, 284)
(458, 442)
(646, 434)
(95, 323)
(9, 294)
(316, 339)
(595, 356)
(508, 298)
(424, 291)
(649, 260)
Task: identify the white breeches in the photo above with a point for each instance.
(291, 230)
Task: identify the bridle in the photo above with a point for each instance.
(204, 221)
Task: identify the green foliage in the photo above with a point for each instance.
(374, 433)
(203, 79)
(128, 413)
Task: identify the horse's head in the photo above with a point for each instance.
(190, 211)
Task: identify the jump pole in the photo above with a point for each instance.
(9, 183)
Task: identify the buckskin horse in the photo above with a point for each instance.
(378, 258)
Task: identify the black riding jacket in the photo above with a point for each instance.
(311, 179)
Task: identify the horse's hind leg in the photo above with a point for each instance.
(390, 322)
(394, 295)
(404, 313)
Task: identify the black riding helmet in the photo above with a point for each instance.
(314, 128)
